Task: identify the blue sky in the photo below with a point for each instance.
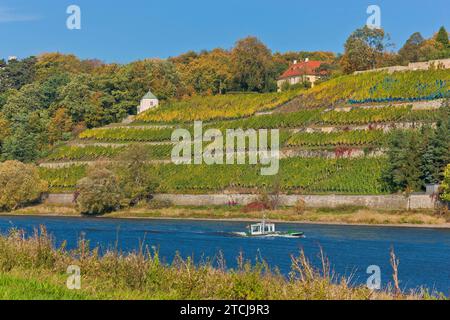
(123, 31)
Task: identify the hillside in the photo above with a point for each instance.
(377, 87)
(334, 143)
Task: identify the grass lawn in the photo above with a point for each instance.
(17, 288)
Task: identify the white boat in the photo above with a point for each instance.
(264, 229)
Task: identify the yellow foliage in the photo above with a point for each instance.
(19, 184)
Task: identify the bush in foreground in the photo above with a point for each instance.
(19, 184)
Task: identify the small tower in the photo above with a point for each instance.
(149, 101)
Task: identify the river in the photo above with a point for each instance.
(424, 253)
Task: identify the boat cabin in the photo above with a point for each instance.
(260, 229)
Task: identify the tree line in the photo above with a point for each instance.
(419, 157)
(371, 48)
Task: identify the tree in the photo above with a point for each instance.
(135, 179)
(17, 73)
(252, 65)
(5, 131)
(418, 157)
(437, 150)
(404, 161)
(98, 192)
(76, 98)
(445, 196)
(20, 184)
(208, 73)
(21, 103)
(410, 52)
(59, 125)
(4, 128)
(442, 37)
(364, 49)
(21, 145)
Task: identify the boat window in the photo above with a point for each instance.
(256, 228)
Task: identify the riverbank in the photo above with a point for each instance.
(340, 216)
(32, 268)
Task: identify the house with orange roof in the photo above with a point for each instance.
(305, 71)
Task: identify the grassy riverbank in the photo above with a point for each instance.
(31, 268)
(341, 215)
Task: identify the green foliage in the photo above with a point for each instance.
(442, 37)
(436, 154)
(95, 152)
(88, 152)
(403, 170)
(311, 117)
(298, 175)
(135, 179)
(22, 145)
(207, 72)
(252, 65)
(99, 192)
(417, 48)
(128, 134)
(364, 49)
(19, 184)
(358, 138)
(418, 157)
(16, 73)
(62, 179)
(410, 52)
(273, 121)
(445, 196)
(17, 288)
(4, 130)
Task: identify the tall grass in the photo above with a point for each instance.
(142, 274)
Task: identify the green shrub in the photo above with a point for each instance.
(135, 180)
(445, 196)
(19, 184)
(99, 192)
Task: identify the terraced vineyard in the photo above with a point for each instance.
(382, 87)
(317, 117)
(92, 153)
(297, 175)
(360, 175)
(365, 116)
(219, 107)
(62, 179)
(130, 134)
(354, 138)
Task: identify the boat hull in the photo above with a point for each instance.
(272, 235)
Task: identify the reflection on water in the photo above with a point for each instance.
(424, 253)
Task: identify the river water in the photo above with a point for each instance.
(424, 253)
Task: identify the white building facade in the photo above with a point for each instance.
(149, 101)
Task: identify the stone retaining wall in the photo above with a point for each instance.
(426, 65)
(394, 202)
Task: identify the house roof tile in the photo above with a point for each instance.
(303, 68)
